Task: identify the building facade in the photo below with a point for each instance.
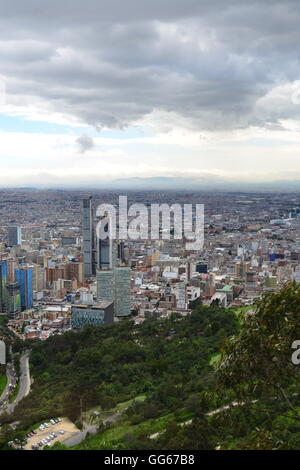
(24, 278)
(87, 226)
(14, 236)
(98, 314)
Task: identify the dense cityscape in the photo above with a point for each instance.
(50, 284)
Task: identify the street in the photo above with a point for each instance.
(25, 383)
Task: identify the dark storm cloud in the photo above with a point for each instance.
(110, 63)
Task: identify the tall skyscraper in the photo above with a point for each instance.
(13, 298)
(24, 278)
(122, 291)
(14, 236)
(11, 268)
(107, 250)
(104, 254)
(87, 226)
(121, 251)
(105, 284)
(3, 291)
(38, 277)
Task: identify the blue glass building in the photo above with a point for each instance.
(3, 292)
(24, 278)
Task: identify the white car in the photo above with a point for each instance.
(62, 431)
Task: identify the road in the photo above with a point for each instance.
(76, 439)
(25, 382)
(89, 429)
(11, 379)
(80, 436)
(24, 377)
(210, 413)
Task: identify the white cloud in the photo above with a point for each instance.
(213, 85)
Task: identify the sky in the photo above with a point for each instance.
(109, 90)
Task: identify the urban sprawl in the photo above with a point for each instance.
(56, 275)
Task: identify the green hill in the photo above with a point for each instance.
(212, 379)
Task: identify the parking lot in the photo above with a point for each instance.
(65, 425)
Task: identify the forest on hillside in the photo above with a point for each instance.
(212, 379)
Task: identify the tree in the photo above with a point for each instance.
(257, 362)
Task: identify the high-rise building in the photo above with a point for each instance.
(108, 251)
(13, 298)
(250, 279)
(241, 269)
(74, 270)
(11, 267)
(122, 291)
(54, 273)
(104, 254)
(38, 277)
(14, 236)
(105, 284)
(114, 285)
(182, 300)
(24, 278)
(121, 251)
(3, 291)
(87, 226)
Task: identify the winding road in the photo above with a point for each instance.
(10, 380)
(24, 377)
(25, 383)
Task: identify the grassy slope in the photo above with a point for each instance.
(112, 439)
(3, 383)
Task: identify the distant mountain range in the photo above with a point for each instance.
(199, 184)
(172, 183)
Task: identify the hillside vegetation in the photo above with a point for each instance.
(212, 379)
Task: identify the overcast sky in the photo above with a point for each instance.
(97, 90)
